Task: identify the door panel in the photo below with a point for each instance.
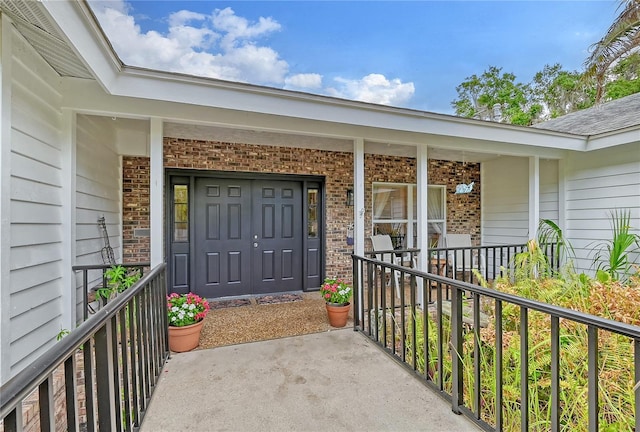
(222, 246)
(277, 236)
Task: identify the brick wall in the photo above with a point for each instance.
(135, 209)
(463, 211)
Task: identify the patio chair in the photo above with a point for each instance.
(463, 260)
(382, 242)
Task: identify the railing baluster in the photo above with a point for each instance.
(524, 369)
(356, 293)
(71, 393)
(87, 356)
(457, 393)
(115, 348)
(476, 353)
(499, 383)
(555, 373)
(133, 355)
(104, 371)
(45, 400)
(636, 380)
(593, 377)
(124, 344)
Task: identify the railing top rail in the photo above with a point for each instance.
(624, 329)
(107, 266)
(496, 246)
(397, 251)
(18, 387)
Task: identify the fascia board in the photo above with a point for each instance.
(75, 21)
(296, 105)
(612, 139)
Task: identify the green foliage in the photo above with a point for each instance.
(560, 91)
(62, 333)
(619, 43)
(616, 256)
(615, 354)
(496, 96)
(119, 278)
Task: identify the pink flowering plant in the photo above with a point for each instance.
(186, 309)
(336, 291)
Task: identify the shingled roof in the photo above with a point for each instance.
(617, 114)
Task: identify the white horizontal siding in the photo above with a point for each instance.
(505, 201)
(549, 190)
(98, 194)
(599, 182)
(35, 208)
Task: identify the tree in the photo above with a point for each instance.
(560, 92)
(496, 96)
(625, 77)
(621, 40)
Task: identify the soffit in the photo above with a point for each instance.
(31, 21)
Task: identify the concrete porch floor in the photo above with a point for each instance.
(331, 381)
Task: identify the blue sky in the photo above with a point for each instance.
(411, 54)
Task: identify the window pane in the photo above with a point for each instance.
(397, 232)
(436, 231)
(180, 232)
(389, 202)
(180, 213)
(435, 208)
(180, 195)
(312, 215)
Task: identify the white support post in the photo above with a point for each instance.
(422, 182)
(69, 288)
(358, 208)
(5, 196)
(534, 196)
(156, 192)
(358, 192)
(562, 195)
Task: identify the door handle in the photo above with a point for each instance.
(255, 245)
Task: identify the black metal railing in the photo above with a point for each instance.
(88, 270)
(479, 351)
(464, 262)
(109, 367)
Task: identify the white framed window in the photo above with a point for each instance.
(395, 212)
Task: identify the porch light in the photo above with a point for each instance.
(349, 201)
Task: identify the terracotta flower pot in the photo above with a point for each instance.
(185, 338)
(338, 314)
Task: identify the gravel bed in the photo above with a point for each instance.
(257, 322)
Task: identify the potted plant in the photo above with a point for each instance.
(336, 293)
(186, 313)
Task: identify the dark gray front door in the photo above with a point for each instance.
(277, 241)
(248, 236)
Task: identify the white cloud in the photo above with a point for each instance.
(226, 46)
(374, 88)
(194, 50)
(303, 81)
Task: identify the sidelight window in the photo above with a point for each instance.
(180, 213)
